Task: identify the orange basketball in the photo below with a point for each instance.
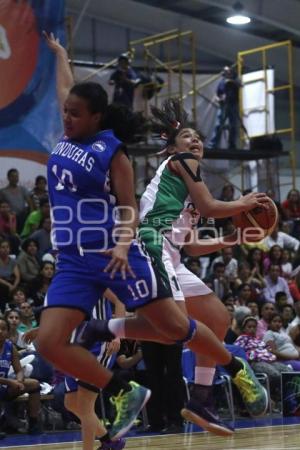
(257, 223)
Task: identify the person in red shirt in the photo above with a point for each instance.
(291, 205)
(294, 284)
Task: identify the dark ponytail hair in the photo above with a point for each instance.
(168, 120)
(125, 123)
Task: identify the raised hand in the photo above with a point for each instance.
(53, 42)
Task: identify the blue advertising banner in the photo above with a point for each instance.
(29, 115)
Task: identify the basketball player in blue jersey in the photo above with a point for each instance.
(89, 174)
(80, 397)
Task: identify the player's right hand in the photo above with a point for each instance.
(53, 42)
(255, 199)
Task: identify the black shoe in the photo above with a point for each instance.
(2, 435)
(201, 411)
(173, 429)
(93, 331)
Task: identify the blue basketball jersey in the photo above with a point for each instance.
(82, 204)
(6, 358)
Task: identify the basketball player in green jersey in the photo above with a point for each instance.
(170, 209)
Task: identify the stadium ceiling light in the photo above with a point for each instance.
(238, 18)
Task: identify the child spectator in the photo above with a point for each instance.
(260, 357)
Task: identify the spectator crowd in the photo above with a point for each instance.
(259, 283)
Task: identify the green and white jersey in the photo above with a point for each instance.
(167, 207)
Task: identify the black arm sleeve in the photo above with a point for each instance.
(182, 158)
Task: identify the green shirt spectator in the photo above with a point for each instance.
(34, 219)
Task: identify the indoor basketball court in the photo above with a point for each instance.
(186, 114)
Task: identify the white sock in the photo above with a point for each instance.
(117, 327)
(204, 375)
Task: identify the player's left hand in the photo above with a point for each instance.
(119, 261)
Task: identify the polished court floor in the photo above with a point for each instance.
(268, 434)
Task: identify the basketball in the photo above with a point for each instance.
(257, 223)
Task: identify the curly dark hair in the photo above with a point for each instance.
(168, 120)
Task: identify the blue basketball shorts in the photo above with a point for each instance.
(80, 281)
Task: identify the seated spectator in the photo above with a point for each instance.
(43, 237)
(273, 257)
(281, 239)
(11, 388)
(39, 190)
(267, 310)
(231, 264)
(28, 263)
(280, 343)
(286, 265)
(9, 274)
(33, 221)
(40, 285)
(291, 205)
(294, 327)
(27, 317)
(17, 197)
(287, 316)
(260, 357)
(18, 296)
(255, 259)
(294, 284)
(253, 306)
(13, 318)
(217, 280)
(235, 328)
(244, 294)
(274, 284)
(251, 277)
(280, 301)
(8, 227)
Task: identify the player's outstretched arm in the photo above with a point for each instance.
(64, 76)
